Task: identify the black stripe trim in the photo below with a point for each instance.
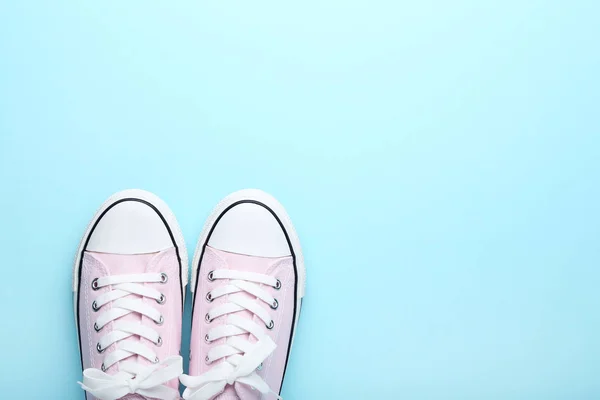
(287, 238)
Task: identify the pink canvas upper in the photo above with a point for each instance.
(281, 268)
(96, 265)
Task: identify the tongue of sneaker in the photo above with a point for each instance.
(242, 262)
(127, 264)
(261, 265)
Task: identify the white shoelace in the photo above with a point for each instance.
(132, 377)
(240, 357)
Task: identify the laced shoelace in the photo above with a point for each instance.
(146, 380)
(240, 357)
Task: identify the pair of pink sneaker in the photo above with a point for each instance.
(129, 282)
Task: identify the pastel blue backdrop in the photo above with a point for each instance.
(439, 159)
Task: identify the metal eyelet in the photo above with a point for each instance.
(277, 285)
(207, 338)
(207, 318)
(95, 284)
(161, 299)
(103, 368)
(209, 297)
(207, 360)
(210, 276)
(163, 277)
(99, 348)
(156, 360)
(275, 304)
(95, 306)
(159, 342)
(270, 325)
(96, 327)
(160, 321)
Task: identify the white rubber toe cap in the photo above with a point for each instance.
(251, 229)
(130, 227)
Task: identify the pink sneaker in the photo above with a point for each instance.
(248, 279)
(129, 279)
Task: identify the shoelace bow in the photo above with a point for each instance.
(240, 358)
(132, 377)
(148, 382)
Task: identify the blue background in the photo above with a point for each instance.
(440, 161)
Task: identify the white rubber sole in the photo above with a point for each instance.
(167, 214)
(277, 208)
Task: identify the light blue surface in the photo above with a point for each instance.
(440, 161)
